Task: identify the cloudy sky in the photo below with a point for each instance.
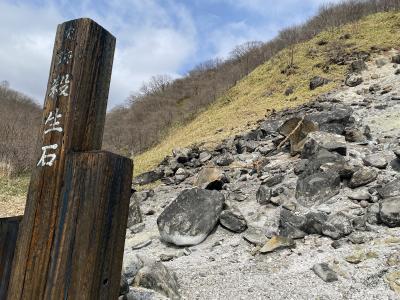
(153, 36)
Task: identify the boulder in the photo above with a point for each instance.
(317, 81)
(337, 226)
(317, 188)
(147, 177)
(353, 80)
(224, 159)
(376, 160)
(389, 211)
(324, 272)
(334, 118)
(182, 155)
(210, 178)
(323, 140)
(357, 66)
(263, 194)
(392, 189)
(362, 177)
(273, 180)
(157, 277)
(190, 217)
(134, 214)
(233, 220)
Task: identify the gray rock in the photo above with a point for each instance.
(233, 220)
(390, 211)
(380, 62)
(376, 160)
(205, 156)
(392, 189)
(362, 177)
(138, 293)
(357, 66)
(323, 140)
(397, 153)
(353, 80)
(181, 174)
(147, 177)
(396, 59)
(182, 155)
(354, 135)
(190, 217)
(134, 214)
(317, 81)
(273, 180)
(263, 195)
(360, 195)
(224, 159)
(123, 286)
(324, 272)
(337, 226)
(255, 236)
(317, 188)
(131, 265)
(291, 224)
(157, 277)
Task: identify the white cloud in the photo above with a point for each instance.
(149, 41)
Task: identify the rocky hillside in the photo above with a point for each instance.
(278, 84)
(304, 206)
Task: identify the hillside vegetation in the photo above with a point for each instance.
(264, 89)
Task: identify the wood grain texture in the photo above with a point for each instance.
(86, 258)
(8, 238)
(83, 108)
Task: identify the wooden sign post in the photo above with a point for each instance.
(71, 239)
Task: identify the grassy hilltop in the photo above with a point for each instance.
(263, 89)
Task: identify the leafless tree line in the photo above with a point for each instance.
(163, 102)
(19, 126)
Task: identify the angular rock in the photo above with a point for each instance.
(397, 153)
(337, 226)
(354, 135)
(182, 155)
(211, 179)
(181, 174)
(277, 243)
(147, 177)
(291, 224)
(353, 80)
(357, 66)
(273, 180)
(158, 278)
(224, 159)
(323, 140)
(139, 293)
(389, 211)
(376, 160)
(324, 272)
(134, 215)
(396, 59)
(362, 177)
(255, 236)
(233, 220)
(190, 217)
(205, 156)
(263, 195)
(317, 188)
(392, 189)
(317, 81)
(360, 195)
(123, 286)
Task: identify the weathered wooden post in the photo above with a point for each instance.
(8, 237)
(71, 239)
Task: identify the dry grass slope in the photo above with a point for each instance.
(262, 90)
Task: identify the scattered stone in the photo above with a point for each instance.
(376, 160)
(390, 211)
(396, 59)
(273, 180)
(317, 188)
(210, 178)
(147, 177)
(224, 160)
(277, 243)
(323, 140)
(263, 195)
(181, 155)
(353, 80)
(357, 66)
(254, 236)
(337, 226)
(354, 135)
(233, 220)
(355, 258)
(360, 195)
(362, 177)
(134, 214)
(181, 174)
(392, 189)
(157, 277)
(205, 156)
(397, 153)
(317, 81)
(289, 91)
(141, 245)
(190, 217)
(358, 237)
(380, 62)
(124, 285)
(324, 272)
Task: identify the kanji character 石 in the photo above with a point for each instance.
(52, 120)
(47, 159)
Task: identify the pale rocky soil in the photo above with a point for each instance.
(225, 266)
